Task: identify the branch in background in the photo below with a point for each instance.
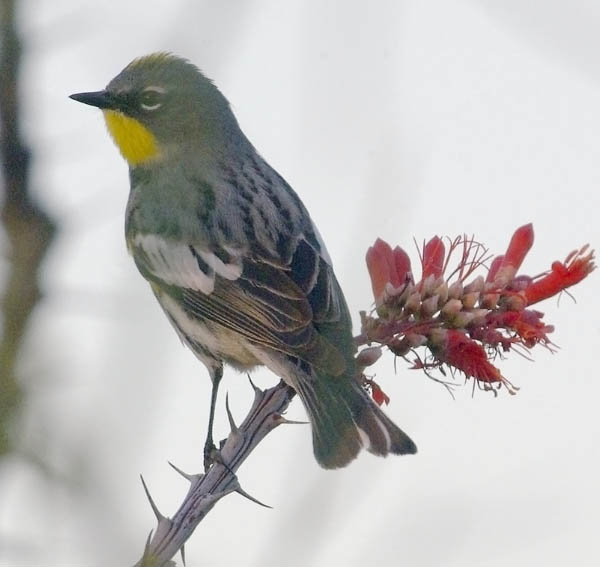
(29, 230)
(207, 489)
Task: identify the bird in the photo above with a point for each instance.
(232, 254)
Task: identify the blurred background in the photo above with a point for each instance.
(404, 119)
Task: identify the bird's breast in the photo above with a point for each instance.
(135, 142)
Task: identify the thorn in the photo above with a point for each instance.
(256, 389)
(147, 551)
(188, 477)
(154, 507)
(241, 491)
(182, 551)
(282, 420)
(148, 539)
(234, 427)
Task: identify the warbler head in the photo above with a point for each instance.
(161, 105)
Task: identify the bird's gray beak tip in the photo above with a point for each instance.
(99, 99)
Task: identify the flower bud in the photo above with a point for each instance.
(428, 285)
(442, 292)
(463, 319)
(476, 285)
(368, 356)
(470, 299)
(413, 303)
(455, 291)
(452, 307)
(514, 302)
(489, 300)
(429, 306)
(479, 316)
(399, 347)
(382, 310)
(407, 291)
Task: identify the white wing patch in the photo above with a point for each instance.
(230, 271)
(185, 265)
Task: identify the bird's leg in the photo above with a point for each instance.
(209, 447)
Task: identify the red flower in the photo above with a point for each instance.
(378, 395)
(457, 350)
(494, 267)
(434, 254)
(402, 265)
(520, 244)
(463, 324)
(386, 267)
(561, 276)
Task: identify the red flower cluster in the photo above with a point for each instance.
(462, 325)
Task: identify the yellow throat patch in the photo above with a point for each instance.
(135, 142)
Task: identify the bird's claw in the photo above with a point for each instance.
(211, 455)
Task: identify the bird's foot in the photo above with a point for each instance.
(211, 455)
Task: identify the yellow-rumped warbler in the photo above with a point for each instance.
(232, 254)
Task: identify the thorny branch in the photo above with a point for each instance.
(29, 230)
(207, 489)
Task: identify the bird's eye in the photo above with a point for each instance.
(151, 98)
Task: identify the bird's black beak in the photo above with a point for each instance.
(99, 99)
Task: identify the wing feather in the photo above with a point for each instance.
(279, 307)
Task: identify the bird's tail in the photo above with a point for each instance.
(345, 420)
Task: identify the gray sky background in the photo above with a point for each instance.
(404, 119)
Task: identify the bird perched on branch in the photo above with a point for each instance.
(232, 254)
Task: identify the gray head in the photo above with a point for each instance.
(170, 98)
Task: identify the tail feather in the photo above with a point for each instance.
(345, 419)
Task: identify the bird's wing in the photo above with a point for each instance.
(280, 306)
